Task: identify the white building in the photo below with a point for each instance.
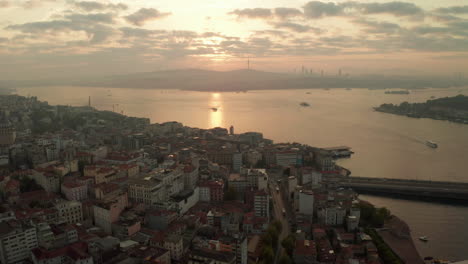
(332, 216)
(355, 211)
(287, 158)
(205, 195)
(191, 177)
(236, 161)
(352, 223)
(17, 239)
(257, 178)
(185, 200)
(69, 211)
(311, 177)
(262, 204)
(147, 190)
(174, 243)
(292, 183)
(105, 214)
(306, 202)
(75, 191)
(50, 182)
(253, 157)
(172, 181)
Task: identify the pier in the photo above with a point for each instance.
(447, 191)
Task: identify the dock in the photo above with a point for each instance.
(339, 152)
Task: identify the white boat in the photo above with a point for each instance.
(431, 144)
(423, 238)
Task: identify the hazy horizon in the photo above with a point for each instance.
(71, 38)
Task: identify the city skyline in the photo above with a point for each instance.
(77, 38)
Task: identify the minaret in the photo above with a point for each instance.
(89, 101)
(248, 63)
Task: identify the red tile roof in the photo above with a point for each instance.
(305, 248)
(72, 184)
(75, 251)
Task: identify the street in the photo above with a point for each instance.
(278, 206)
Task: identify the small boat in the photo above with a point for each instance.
(348, 89)
(308, 93)
(431, 144)
(423, 238)
(214, 109)
(304, 104)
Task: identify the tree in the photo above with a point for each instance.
(230, 194)
(289, 243)
(268, 256)
(278, 225)
(274, 234)
(285, 259)
(267, 240)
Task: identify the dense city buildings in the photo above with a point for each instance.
(101, 187)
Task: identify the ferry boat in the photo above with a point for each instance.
(431, 144)
(397, 92)
(214, 109)
(423, 238)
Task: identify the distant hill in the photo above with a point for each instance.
(238, 80)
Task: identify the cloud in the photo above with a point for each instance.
(317, 9)
(106, 18)
(5, 4)
(272, 32)
(284, 12)
(91, 24)
(140, 17)
(376, 27)
(34, 3)
(444, 18)
(396, 8)
(453, 10)
(129, 32)
(252, 13)
(296, 27)
(92, 6)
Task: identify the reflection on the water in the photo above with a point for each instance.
(216, 114)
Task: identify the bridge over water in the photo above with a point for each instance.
(449, 191)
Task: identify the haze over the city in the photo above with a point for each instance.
(68, 38)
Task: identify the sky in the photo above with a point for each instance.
(72, 38)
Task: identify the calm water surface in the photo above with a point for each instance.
(385, 145)
(444, 225)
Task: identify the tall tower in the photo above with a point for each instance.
(248, 63)
(89, 101)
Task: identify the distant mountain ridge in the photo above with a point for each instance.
(237, 80)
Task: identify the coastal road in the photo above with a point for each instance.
(278, 206)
